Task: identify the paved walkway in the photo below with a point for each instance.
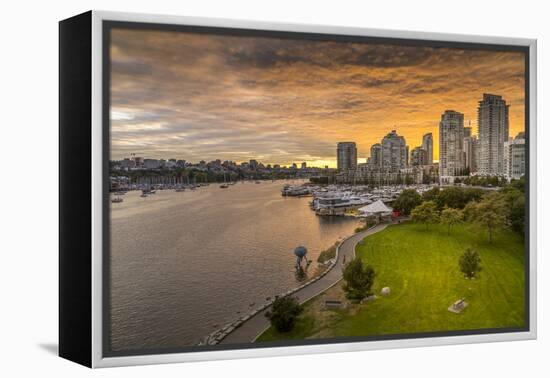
(256, 325)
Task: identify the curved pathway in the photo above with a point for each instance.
(251, 329)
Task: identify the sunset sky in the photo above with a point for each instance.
(205, 97)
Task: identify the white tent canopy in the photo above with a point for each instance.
(375, 208)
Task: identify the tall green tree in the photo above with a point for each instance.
(407, 200)
(450, 217)
(490, 213)
(359, 279)
(470, 263)
(425, 213)
(284, 312)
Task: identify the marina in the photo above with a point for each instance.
(341, 200)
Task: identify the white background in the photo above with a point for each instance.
(28, 185)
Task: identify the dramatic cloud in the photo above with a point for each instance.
(203, 97)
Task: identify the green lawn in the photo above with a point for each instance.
(421, 268)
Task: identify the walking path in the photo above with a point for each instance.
(251, 329)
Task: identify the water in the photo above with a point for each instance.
(183, 264)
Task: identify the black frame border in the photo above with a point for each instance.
(108, 25)
(75, 189)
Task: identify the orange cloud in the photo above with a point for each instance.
(203, 97)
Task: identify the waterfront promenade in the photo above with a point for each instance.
(257, 324)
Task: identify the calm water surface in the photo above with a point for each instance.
(184, 264)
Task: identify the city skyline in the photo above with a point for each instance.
(203, 97)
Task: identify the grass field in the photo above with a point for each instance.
(421, 268)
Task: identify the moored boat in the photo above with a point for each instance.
(295, 191)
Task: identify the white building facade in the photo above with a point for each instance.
(514, 157)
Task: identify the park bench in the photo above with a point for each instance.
(332, 304)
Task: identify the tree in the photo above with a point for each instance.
(425, 213)
(457, 198)
(517, 215)
(450, 217)
(469, 211)
(450, 197)
(519, 184)
(407, 200)
(470, 263)
(284, 312)
(490, 212)
(488, 181)
(431, 195)
(471, 194)
(514, 200)
(359, 279)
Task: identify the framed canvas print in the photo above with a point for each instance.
(235, 189)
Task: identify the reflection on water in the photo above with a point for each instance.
(300, 274)
(186, 263)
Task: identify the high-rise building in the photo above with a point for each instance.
(470, 148)
(451, 139)
(346, 156)
(376, 155)
(514, 157)
(419, 157)
(428, 146)
(492, 120)
(394, 152)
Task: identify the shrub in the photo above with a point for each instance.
(470, 263)
(359, 279)
(284, 312)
